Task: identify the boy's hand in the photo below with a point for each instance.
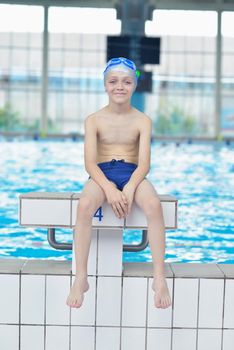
(128, 191)
(117, 200)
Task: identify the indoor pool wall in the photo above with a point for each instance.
(34, 314)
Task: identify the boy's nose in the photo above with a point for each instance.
(119, 86)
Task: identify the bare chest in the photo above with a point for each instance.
(119, 133)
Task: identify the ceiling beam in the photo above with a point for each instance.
(205, 5)
(64, 3)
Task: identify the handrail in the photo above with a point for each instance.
(68, 246)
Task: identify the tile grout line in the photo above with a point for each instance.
(71, 275)
(20, 276)
(111, 326)
(45, 313)
(172, 307)
(219, 268)
(121, 310)
(223, 311)
(70, 311)
(95, 313)
(146, 317)
(198, 308)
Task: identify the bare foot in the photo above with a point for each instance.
(162, 297)
(76, 296)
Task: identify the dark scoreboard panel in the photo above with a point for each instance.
(141, 49)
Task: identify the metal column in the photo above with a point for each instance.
(218, 100)
(44, 86)
(134, 13)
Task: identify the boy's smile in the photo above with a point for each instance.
(119, 85)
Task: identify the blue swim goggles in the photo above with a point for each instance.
(115, 61)
(121, 60)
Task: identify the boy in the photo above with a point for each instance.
(117, 157)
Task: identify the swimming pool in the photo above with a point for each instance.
(200, 175)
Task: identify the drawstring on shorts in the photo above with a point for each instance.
(113, 161)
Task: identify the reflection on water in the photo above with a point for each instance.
(201, 176)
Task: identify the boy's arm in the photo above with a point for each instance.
(144, 153)
(90, 153)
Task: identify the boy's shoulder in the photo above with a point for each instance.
(142, 116)
(93, 116)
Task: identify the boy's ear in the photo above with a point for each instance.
(134, 89)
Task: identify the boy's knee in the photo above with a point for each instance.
(153, 206)
(85, 206)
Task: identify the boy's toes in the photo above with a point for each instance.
(158, 303)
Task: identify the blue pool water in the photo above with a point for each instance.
(201, 176)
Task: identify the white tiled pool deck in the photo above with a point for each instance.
(118, 311)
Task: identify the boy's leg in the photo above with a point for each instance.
(147, 199)
(90, 200)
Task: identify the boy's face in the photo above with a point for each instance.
(119, 86)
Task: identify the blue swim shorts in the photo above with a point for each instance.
(117, 171)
